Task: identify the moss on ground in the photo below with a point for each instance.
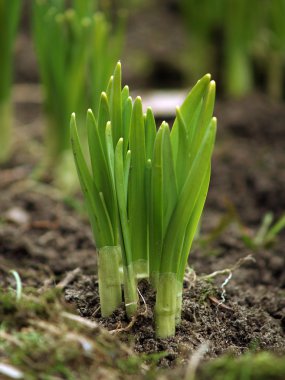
(250, 366)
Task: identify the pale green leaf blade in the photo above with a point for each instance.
(101, 169)
(136, 194)
(169, 185)
(99, 219)
(192, 225)
(127, 114)
(156, 207)
(116, 104)
(182, 162)
(186, 203)
(150, 133)
(188, 109)
(204, 119)
(120, 173)
(125, 94)
(103, 118)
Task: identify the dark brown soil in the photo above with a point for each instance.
(44, 235)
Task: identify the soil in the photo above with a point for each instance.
(46, 238)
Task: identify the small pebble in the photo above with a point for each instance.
(17, 216)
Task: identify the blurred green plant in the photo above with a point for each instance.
(267, 232)
(145, 193)
(9, 16)
(250, 366)
(73, 44)
(201, 19)
(233, 37)
(240, 30)
(275, 56)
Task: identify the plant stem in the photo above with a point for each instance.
(5, 128)
(238, 75)
(109, 280)
(141, 269)
(178, 303)
(165, 308)
(130, 291)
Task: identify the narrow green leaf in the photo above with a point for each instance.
(100, 221)
(127, 114)
(183, 151)
(136, 197)
(127, 165)
(188, 109)
(109, 88)
(103, 117)
(186, 203)
(101, 169)
(150, 133)
(116, 105)
(192, 225)
(120, 175)
(205, 118)
(125, 94)
(110, 148)
(169, 186)
(156, 206)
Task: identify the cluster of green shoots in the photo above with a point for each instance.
(9, 16)
(72, 44)
(252, 35)
(145, 193)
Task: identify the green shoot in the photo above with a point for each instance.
(201, 19)
(19, 286)
(147, 190)
(267, 232)
(206, 21)
(99, 198)
(106, 48)
(275, 51)
(79, 40)
(9, 16)
(239, 36)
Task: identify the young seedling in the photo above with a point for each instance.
(238, 39)
(9, 16)
(201, 20)
(105, 191)
(71, 45)
(180, 179)
(147, 190)
(267, 232)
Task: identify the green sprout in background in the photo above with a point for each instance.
(238, 34)
(234, 37)
(226, 19)
(145, 193)
(9, 16)
(72, 44)
(276, 48)
(201, 19)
